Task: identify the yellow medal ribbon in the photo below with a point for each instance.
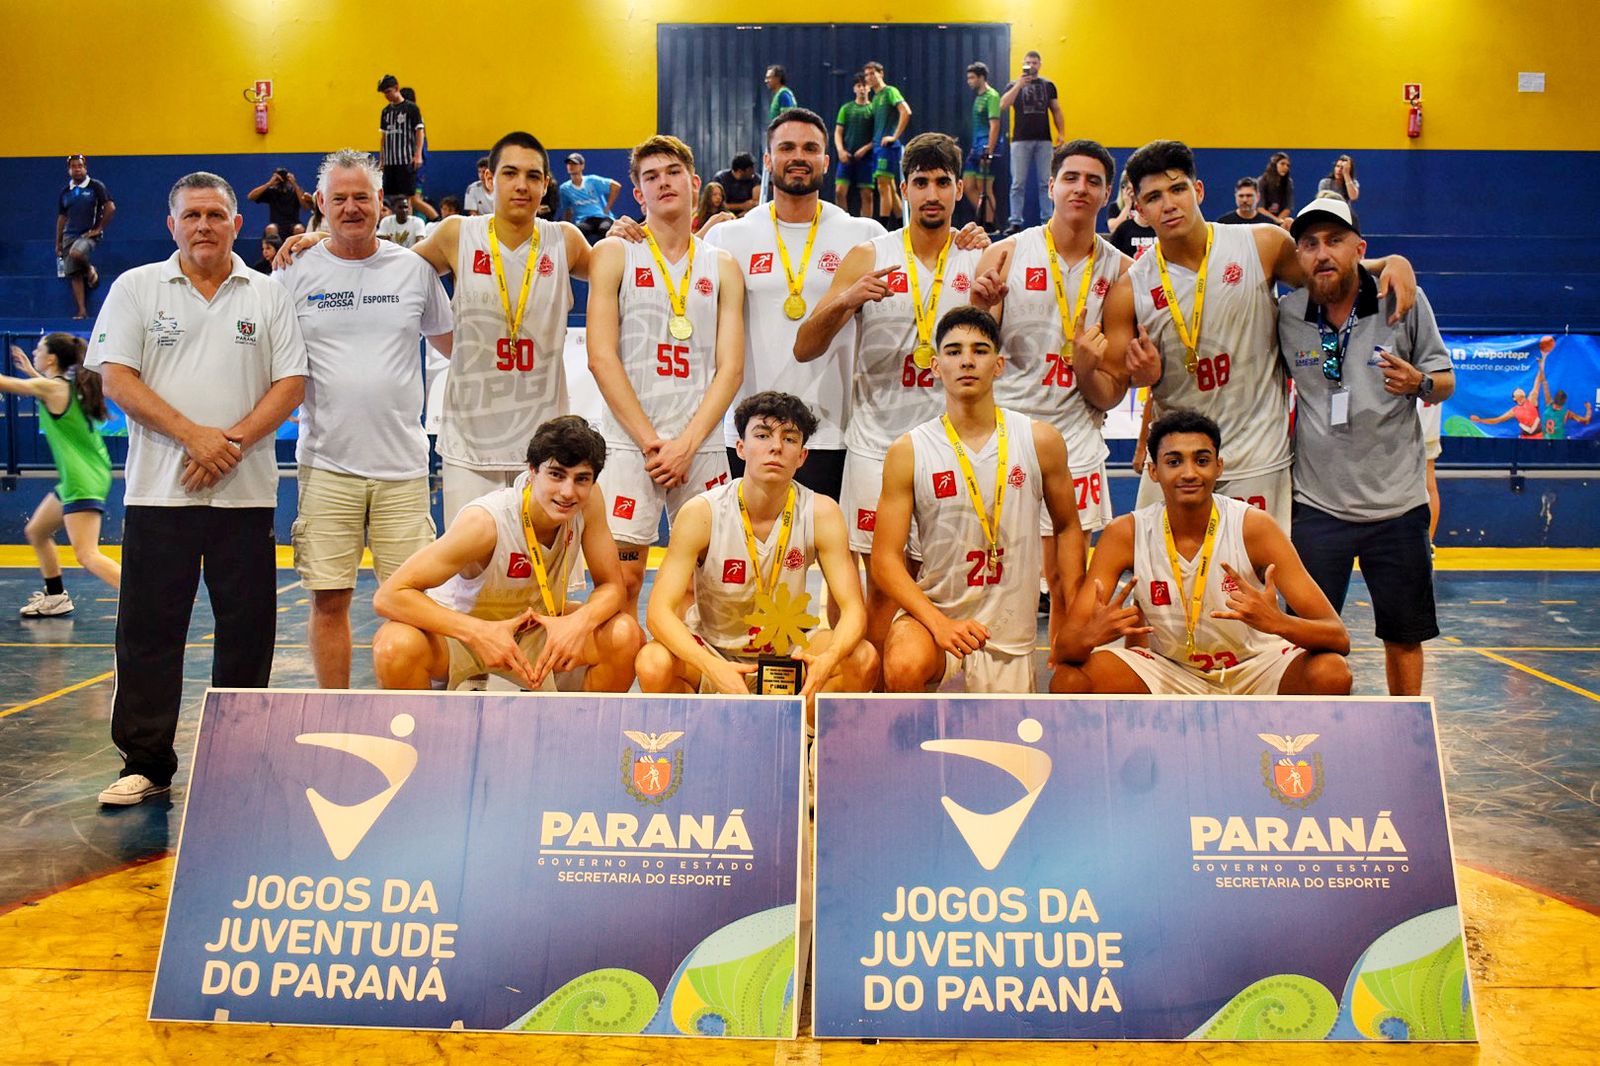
(514, 318)
(1191, 600)
(990, 533)
(795, 305)
(785, 527)
(1068, 322)
(1190, 340)
(536, 556)
(677, 295)
(923, 353)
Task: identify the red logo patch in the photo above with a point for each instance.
(1016, 477)
(795, 559)
(1233, 273)
(1101, 287)
(1158, 296)
(944, 484)
(829, 262)
(720, 479)
(961, 283)
(519, 566)
(1035, 279)
(761, 263)
(733, 571)
(897, 281)
(867, 520)
(1228, 583)
(546, 266)
(703, 286)
(644, 278)
(622, 507)
(481, 263)
(1160, 595)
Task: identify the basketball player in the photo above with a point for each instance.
(974, 480)
(666, 347)
(1195, 557)
(1046, 287)
(490, 596)
(749, 536)
(1222, 360)
(893, 288)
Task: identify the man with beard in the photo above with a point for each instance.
(1360, 479)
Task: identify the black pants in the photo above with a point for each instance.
(164, 550)
(594, 227)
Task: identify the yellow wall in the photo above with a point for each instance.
(166, 76)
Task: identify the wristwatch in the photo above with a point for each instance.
(1425, 389)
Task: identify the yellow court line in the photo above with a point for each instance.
(58, 692)
(1540, 674)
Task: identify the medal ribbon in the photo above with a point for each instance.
(1069, 321)
(1190, 341)
(677, 295)
(514, 319)
(796, 282)
(991, 534)
(785, 527)
(536, 554)
(1191, 600)
(925, 313)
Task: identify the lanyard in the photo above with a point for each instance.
(1337, 355)
(991, 534)
(785, 527)
(536, 554)
(1069, 322)
(1191, 601)
(677, 295)
(795, 305)
(925, 312)
(514, 319)
(1190, 340)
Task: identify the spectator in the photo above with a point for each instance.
(448, 206)
(1129, 234)
(1245, 212)
(890, 117)
(479, 200)
(1276, 189)
(711, 210)
(782, 96)
(1033, 104)
(401, 227)
(205, 357)
(269, 249)
(852, 138)
(84, 208)
(1342, 180)
(588, 199)
(976, 175)
(738, 183)
(401, 126)
(281, 196)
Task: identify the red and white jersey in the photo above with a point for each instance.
(954, 572)
(1239, 381)
(508, 586)
(500, 390)
(670, 376)
(725, 581)
(890, 394)
(1160, 595)
(1035, 381)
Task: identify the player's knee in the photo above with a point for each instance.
(622, 638)
(861, 668)
(653, 664)
(397, 649)
(37, 531)
(904, 673)
(1066, 678)
(1328, 674)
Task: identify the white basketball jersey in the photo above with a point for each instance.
(1160, 595)
(889, 394)
(954, 575)
(725, 582)
(1239, 381)
(499, 390)
(508, 586)
(670, 376)
(1035, 381)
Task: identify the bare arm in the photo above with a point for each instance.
(729, 372)
(691, 535)
(105, 220)
(1061, 122)
(1314, 625)
(1056, 474)
(61, 228)
(578, 250)
(439, 247)
(604, 330)
(989, 288)
(269, 412)
(905, 120)
(255, 194)
(843, 299)
(838, 141)
(207, 446)
(844, 588)
(1009, 97)
(55, 392)
(1086, 626)
(888, 559)
(467, 546)
(611, 200)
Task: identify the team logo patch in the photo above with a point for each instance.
(481, 263)
(1160, 594)
(1292, 779)
(247, 332)
(1101, 287)
(761, 263)
(1034, 279)
(546, 266)
(897, 281)
(1016, 477)
(829, 262)
(961, 283)
(944, 484)
(1159, 297)
(794, 559)
(733, 571)
(720, 479)
(654, 775)
(1228, 583)
(703, 286)
(865, 519)
(622, 507)
(644, 278)
(1233, 273)
(519, 566)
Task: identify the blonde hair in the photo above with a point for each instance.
(660, 144)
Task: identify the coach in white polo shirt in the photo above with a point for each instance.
(364, 305)
(205, 356)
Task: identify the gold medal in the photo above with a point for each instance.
(677, 294)
(536, 556)
(991, 533)
(680, 327)
(1192, 599)
(1069, 316)
(925, 314)
(922, 354)
(795, 307)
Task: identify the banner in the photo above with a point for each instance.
(573, 864)
(1134, 868)
(1528, 387)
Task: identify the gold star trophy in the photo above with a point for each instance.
(783, 621)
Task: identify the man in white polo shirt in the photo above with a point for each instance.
(205, 356)
(363, 305)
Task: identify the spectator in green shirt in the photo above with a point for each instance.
(782, 95)
(985, 142)
(890, 117)
(852, 138)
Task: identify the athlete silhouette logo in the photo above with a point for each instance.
(344, 826)
(990, 835)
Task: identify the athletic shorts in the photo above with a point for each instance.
(990, 671)
(1092, 493)
(80, 246)
(399, 181)
(1396, 563)
(635, 502)
(464, 665)
(974, 164)
(856, 172)
(1431, 415)
(886, 160)
(338, 514)
(79, 506)
(1267, 492)
(463, 484)
(858, 498)
(1259, 675)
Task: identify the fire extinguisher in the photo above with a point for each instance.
(261, 117)
(1413, 120)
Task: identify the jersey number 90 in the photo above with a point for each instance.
(511, 355)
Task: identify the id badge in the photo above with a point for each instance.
(1339, 410)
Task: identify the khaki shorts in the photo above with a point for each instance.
(339, 514)
(1259, 675)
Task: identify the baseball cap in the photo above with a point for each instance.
(575, 157)
(388, 81)
(1322, 209)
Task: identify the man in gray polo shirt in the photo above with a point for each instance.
(205, 356)
(1360, 485)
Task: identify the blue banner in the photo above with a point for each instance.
(1527, 387)
(1134, 868)
(597, 864)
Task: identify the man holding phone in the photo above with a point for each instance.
(281, 196)
(1033, 103)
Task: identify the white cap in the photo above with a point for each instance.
(1332, 208)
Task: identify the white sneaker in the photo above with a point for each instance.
(43, 605)
(130, 790)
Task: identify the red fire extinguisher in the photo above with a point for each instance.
(261, 117)
(258, 95)
(1414, 120)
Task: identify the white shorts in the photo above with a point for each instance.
(1092, 493)
(464, 665)
(858, 499)
(635, 501)
(463, 484)
(1431, 415)
(1259, 675)
(1268, 492)
(987, 670)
